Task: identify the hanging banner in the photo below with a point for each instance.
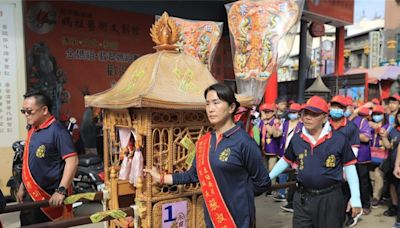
(8, 76)
(260, 41)
(74, 49)
(198, 38)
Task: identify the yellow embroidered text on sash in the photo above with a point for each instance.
(220, 218)
(213, 204)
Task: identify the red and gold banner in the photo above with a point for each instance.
(217, 209)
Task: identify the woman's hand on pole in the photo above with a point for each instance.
(154, 174)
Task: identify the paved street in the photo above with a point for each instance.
(269, 215)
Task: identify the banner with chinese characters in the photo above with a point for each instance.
(8, 78)
(374, 53)
(74, 49)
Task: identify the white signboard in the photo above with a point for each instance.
(374, 40)
(174, 215)
(8, 76)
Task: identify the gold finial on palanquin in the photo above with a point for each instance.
(164, 33)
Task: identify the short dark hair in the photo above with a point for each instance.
(40, 97)
(280, 99)
(392, 99)
(224, 93)
(338, 104)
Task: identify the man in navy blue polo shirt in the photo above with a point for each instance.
(340, 123)
(49, 161)
(321, 155)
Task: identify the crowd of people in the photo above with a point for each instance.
(345, 157)
(372, 132)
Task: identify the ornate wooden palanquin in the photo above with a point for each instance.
(160, 97)
(160, 132)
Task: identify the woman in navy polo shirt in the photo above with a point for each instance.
(228, 165)
(321, 155)
(394, 135)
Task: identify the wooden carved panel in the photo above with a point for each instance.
(165, 117)
(200, 212)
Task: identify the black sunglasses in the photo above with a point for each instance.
(28, 111)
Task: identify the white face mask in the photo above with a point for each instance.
(377, 118)
(293, 116)
(347, 113)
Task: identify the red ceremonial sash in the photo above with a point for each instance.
(217, 209)
(35, 191)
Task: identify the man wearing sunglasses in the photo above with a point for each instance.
(49, 161)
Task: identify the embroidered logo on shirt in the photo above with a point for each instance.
(301, 159)
(330, 161)
(225, 155)
(41, 151)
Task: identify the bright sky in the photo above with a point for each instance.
(368, 8)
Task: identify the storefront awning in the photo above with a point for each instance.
(376, 74)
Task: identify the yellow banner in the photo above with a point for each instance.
(99, 216)
(190, 158)
(191, 147)
(74, 198)
(187, 143)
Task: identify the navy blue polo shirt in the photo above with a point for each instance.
(239, 178)
(320, 165)
(350, 130)
(49, 145)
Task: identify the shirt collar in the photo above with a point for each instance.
(325, 131)
(231, 131)
(340, 124)
(46, 123)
